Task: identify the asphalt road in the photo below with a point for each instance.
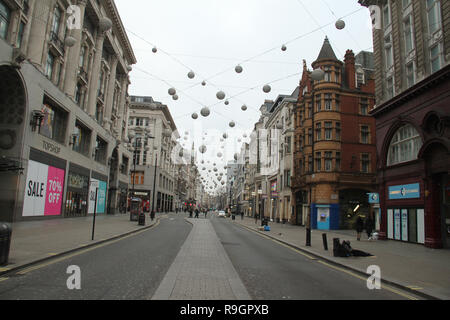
(271, 271)
(128, 269)
(132, 268)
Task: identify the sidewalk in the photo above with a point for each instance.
(33, 241)
(410, 266)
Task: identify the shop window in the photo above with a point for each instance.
(5, 16)
(82, 139)
(404, 146)
(53, 125)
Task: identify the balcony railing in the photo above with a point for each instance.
(57, 42)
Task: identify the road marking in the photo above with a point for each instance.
(101, 245)
(4, 269)
(414, 288)
(329, 265)
(3, 279)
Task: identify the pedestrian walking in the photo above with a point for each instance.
(206, 212)
(152, 215)
(369, 226)
(190, 213)
(256, 218)
(196, 213)
(359, 226)
(242, 215)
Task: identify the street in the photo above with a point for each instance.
(169, 258)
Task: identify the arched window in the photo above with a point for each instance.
(404, 146)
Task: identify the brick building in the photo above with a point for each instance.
(335, 153)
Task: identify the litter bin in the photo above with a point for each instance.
(142, 219)
(5, 243)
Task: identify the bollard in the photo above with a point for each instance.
(325, 243)
(5, 243)
(308, 237)
(336, 245)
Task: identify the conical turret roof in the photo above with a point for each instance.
(327, 51)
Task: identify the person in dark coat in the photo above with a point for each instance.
(196, 213)
(152, 215)
(359, 227)
(369, 226)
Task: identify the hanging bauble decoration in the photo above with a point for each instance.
(205, 112)
(194, 116)
(175, 97)
(225, 136)
(227, 102)
(154, 50)
(244, 108)
(232, 124)
(105, 24)
(236, 156)
(219, 155)
(191, 75)
(220, 95)
(283, 48)
(238, 69)
(70, 41)
(202, 149)
(340, 24)
(317, 75)
(267, 88)
(172, 91)
(203, 83)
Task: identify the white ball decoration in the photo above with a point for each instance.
(318, 75)
(340, 24)
(70, 41)
(267, 88)
(105, 24)
(227, 102)
(172, 91)
(283, 47)
(191, 75)
(232, 124)
(219, 155)
(244, 108)
(205, 112)
(220, 95)
(194, 116)
(154, 50)
(204, 83)
(225, 136)
(175, 97)
(238, 69)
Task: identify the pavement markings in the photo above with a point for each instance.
(56, 260)
(414, 288)
(3, 279)
(332, 266)
(4, 269)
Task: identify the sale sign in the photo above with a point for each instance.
(43, 191)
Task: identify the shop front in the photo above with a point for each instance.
(77, 192)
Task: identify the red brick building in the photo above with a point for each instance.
(335, 153)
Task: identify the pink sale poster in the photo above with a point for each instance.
(55, 189)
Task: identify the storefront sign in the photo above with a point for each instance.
(51, 147)
(77, 181)
(101, 196)
(409, 191)
(374, 197)
(43, 191)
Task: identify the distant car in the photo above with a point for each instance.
(221, 214)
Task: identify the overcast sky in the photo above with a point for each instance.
(211, 37)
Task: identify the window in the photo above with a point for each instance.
(328, 161)
(435, 58)
(410, 79)
(328, 101)
(82, 139)
(20, 34)
(5, 16)
(405, 3)
(53, 125)
(359, 77)
(101, 147)
(434, 15)
(389, 58)
(56, 21)
(328, 130)
(386, 15)
(318, 131)
(131, 121)
(365, 163)
(390, 87)
(318, 161)
(310, 138)
(144, 160)
(82, 57)
(319, 102)
(327, 76)
(124, 166)
(99, 114)
(338, 131)
(338, 102)
(310, 163)
(309, 111)
(337, 75)
(50, 65)
(364, 107)
(408, 33)
(365, 134)
(405, 145)
(288, 145)
(338, 161)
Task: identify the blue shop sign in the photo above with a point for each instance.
(407, 191)
(374, 197)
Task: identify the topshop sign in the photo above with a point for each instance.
(43, 191)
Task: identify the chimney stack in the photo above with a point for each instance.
(350, 70)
